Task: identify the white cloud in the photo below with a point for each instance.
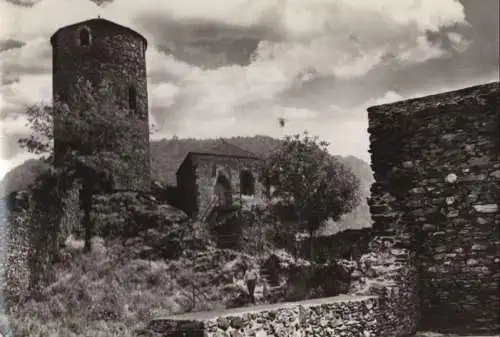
(388, 97)
(15, 125)
(12, 126)
(422, 51)
(295, 113)
(34, 57)
(290, 19)
(300, 41)
(30, 89)
(458, 41)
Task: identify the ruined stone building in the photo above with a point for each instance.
(432, 259)
(221, 177)
(99, 50)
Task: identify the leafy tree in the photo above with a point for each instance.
(45, 212)
(94, 138)
(306, 180)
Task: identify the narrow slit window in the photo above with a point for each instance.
(132, 99)
(84, 37)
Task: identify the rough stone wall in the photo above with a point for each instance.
(14, 253)
(17, 236)
(335, 316)
(231, 168)
(437, 175)
(71, 217)
(392, 274)
(115, 54)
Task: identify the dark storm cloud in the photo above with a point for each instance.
(205, 44)
(213, 53)
(101, 2)
(484, 18)
(23, 3)
(9, 44)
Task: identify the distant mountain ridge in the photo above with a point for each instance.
(20, 177)
(167, 155)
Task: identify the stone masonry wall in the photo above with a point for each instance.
(115, 54)
(72, 215)
(437, 175)
(231, 168)
(392, 274)
(334, 316)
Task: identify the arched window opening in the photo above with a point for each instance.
(247, 183)
(223, 191)
(84, 37)
(132, 99)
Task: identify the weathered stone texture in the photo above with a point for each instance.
(15, 255)
(392, 275)
(71, 216)
(197, 179)
(115, 54)
(231, 168)
(436, 167)
(334, 316)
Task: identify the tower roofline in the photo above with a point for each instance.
(52, 38)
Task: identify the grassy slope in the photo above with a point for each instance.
(109, 293)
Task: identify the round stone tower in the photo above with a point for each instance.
(99, 50)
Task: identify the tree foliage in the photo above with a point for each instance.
(45, 212)
(98, 129)
(307, 180)
(95, 137)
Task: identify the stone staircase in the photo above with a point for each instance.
(272, 293)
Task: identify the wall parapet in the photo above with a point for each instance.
(334, 316)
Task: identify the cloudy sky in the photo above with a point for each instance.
(233, 67)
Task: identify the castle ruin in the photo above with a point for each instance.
(99, 50)
(218, 178)
(434, 202)
(433, 260)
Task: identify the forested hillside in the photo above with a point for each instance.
(167, 154)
